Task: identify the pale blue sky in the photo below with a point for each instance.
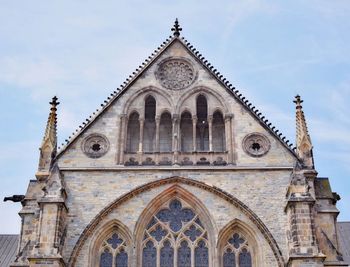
(83, 50)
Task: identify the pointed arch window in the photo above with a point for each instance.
(114, 252)
(186, 132)
(149, 131)
(165, 133)
(175, 237)
(202, 129)
(218, 132)
(237, 252)
(133, 133)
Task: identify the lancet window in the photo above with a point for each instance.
(218, 132)
(133, 133)
(202, 131)
(114, 252)
(186, 132)
(237, 252)
(149, 131)
(165, 133)
(175, 237)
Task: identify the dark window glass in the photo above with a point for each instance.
(122, 259)
(229, 259)
(245, 259)
(149, 255)
(106, 259)
(184, 255)
(201, 258)
(167, 255)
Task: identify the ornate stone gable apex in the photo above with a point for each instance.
(168, 77)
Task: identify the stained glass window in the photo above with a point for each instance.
(236, 252)
(176, 227)
(184, 255)
(114, 252)
(106, 259)
(201, 255)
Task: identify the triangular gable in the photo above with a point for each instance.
(209, 67)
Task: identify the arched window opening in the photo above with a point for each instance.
(202, 131)
(175, 228)
(237, 252)
(149, 131)
(133, 136)
(218, 132)
(113, 252)
(165, 133)
(186, 132)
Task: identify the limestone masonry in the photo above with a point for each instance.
(178, 169)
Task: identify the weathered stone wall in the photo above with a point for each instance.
(262, 191)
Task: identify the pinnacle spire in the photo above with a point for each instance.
(176, 28)
(303, 140)
(48, 148)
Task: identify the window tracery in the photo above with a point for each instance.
(237, 252)
(113, 252)
(175, 236)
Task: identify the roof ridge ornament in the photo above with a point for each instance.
(176, 28)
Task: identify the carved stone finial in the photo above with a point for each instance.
(298, 102)
(303, 140)
(48, 148)
(176, 29)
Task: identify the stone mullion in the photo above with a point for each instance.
(157, 133)
(228, 137)
(210, 122)
(194, 133)
(140, 152)
(122, 139)
(175, 137)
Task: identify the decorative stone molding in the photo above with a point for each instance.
(176, 73)
(95, 145)
(256, 144)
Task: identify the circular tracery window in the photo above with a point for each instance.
(256, 144)
(176, 74)
(95, 145)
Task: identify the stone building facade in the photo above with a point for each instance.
(177, 168)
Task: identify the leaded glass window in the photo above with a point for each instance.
(113, 252)
(236, 252)
(175, 237)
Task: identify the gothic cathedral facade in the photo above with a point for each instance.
(177, 168)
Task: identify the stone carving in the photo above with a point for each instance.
(203, 161)
(220, 162)
(186, 161)
(95, 145)
(256, 144)
(131, 162)
(148, 161)
(176, 74)
(165, 161)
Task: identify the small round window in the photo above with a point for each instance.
(95, 145)
(256, 144)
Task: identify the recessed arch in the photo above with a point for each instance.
(205, 91)
(144, 92)
(103, 232)
(245, 231)
(95, 222)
